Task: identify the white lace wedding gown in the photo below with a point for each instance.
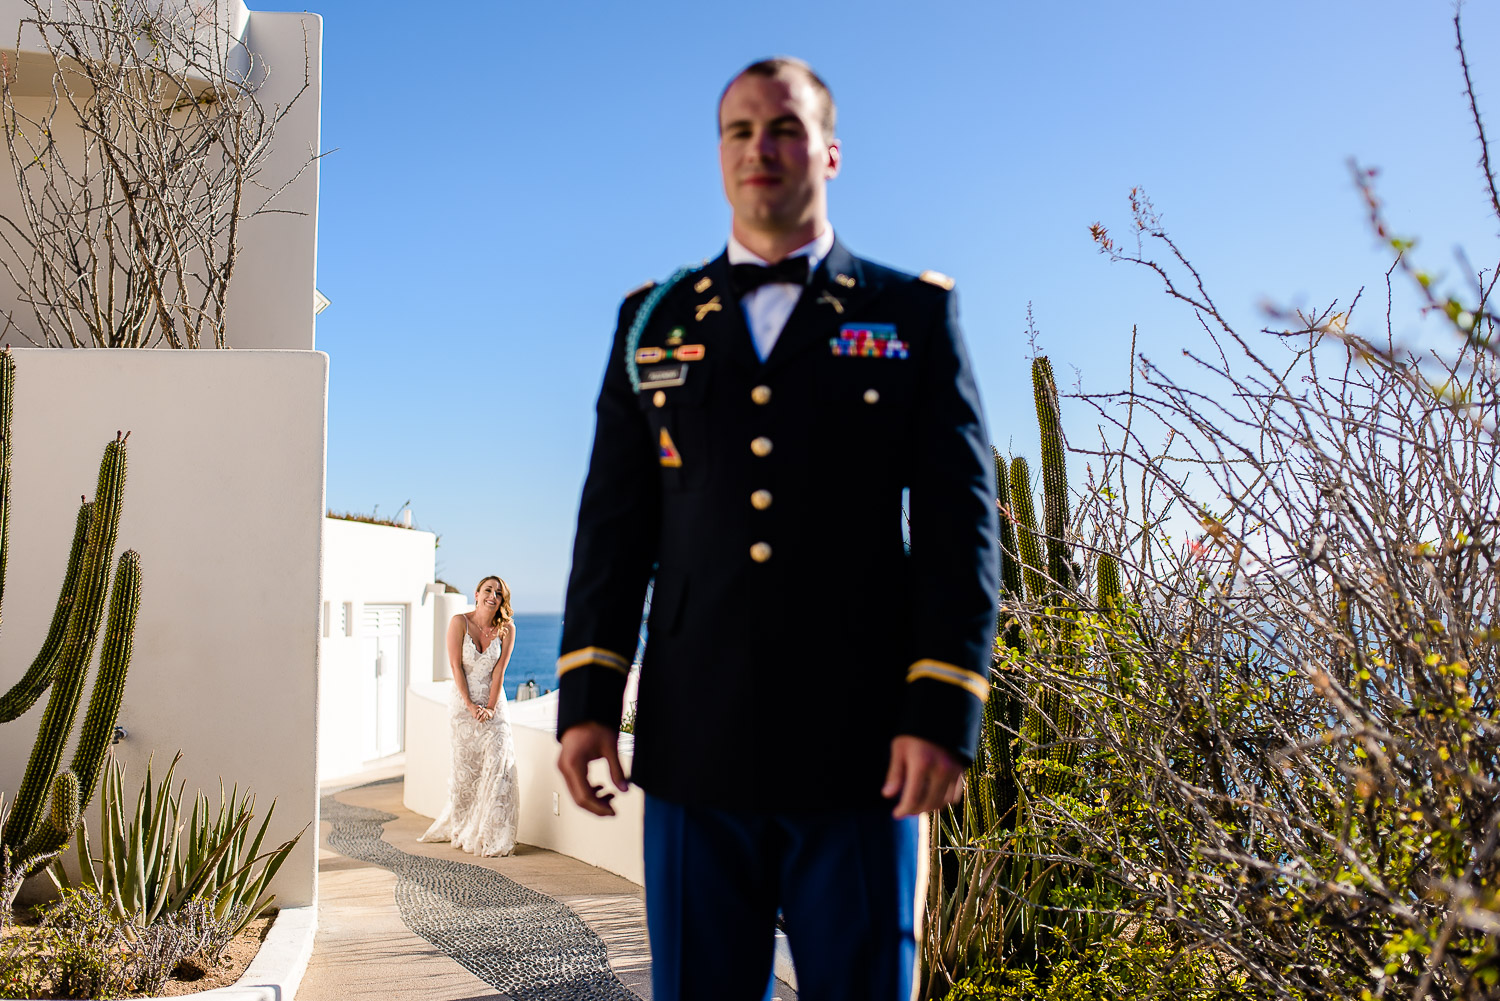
(481, 814)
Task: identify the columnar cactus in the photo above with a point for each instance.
(992, 777)
(31, 834)
(38, 678)
(1036, 566)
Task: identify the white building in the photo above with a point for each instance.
(225, 496)
(384, 624)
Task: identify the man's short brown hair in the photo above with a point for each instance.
(776, 66)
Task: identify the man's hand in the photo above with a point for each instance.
(923, 775)
(582, 743)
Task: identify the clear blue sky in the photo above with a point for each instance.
(505, 172)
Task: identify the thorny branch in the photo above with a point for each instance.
(1287, 742)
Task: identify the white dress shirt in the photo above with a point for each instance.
(768, 307)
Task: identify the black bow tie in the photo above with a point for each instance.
(749, 277)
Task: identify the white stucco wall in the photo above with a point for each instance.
(224, 501)
(368, 564)
(448, 605)
(271, 305)
(271, 297)
(612, 843)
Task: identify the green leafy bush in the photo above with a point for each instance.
(1278, 747)
(1115, 971)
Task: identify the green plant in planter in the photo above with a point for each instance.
(217, 865)
(151, 865)
(32, 834)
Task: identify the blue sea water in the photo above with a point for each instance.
(535, 655)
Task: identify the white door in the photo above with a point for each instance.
(383, 642)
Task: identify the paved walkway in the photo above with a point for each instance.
(534, 926)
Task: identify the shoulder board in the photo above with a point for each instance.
(640, 288)
(937, 278)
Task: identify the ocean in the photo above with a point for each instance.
(535, 655)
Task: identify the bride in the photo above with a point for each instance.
(480, 816)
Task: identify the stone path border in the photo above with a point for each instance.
(521, 942)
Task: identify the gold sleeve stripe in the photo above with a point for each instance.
(970, 681)
(592, 655)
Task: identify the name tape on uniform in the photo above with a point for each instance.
(661, 376)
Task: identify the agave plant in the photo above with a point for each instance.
(149, 866)
(215, 866)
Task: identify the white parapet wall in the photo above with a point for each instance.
(549, 817)
(224, 502)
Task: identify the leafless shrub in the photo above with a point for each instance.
(136, 168)
(1288, 747)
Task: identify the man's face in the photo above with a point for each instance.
(772, 151)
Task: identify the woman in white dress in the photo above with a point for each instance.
(481, 813)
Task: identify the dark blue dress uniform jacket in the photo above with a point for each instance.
(791, 634)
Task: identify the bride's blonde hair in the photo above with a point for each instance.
(503, 615)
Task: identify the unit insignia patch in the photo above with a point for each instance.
(667, 452)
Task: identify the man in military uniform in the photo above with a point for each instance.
(811, 682)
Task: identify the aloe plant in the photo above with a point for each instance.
(32, 832)
(151, 864)
(218, 867)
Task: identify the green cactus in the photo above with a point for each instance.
(65, 803)
(38, 677)
(29, 837)
(109, 684)
(52, 834)
(993, 774)
(1008, 630)
(1037, 566)
(1023, 513)
(1054, 474)
(1110, 592)
(7, 409)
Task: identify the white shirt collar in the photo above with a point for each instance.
(814, 251)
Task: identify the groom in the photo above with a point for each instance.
(811, 684)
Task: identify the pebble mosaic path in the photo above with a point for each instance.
(519, 941)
